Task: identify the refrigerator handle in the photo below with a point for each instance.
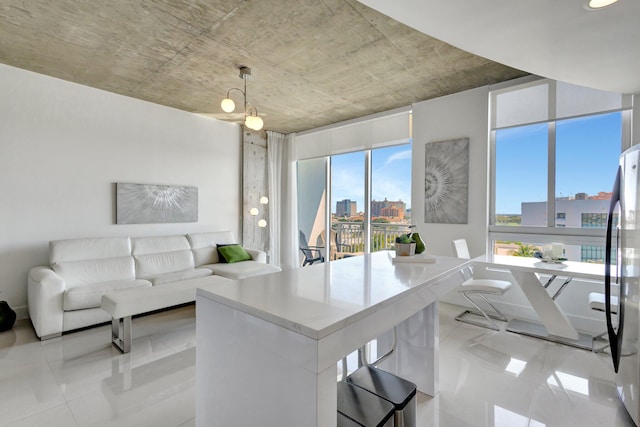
(618, 267)
(615, 337)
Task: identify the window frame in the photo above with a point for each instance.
(368, 175)
(550, 233)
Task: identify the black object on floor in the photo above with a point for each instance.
(363, 408)
(400, 392)
(7, 316)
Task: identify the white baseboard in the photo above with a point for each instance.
(21, 312)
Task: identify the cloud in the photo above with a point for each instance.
(400, 155)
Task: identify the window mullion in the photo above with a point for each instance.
(327, 208)
(551, 161)
(551, 179)
(367, 201)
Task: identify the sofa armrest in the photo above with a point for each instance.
(257, 255)
(45, 293)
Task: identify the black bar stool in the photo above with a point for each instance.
(358, 407)
(361, 408)
(398, 391)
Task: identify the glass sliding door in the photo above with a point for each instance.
(347, 205)
(390, 195)
(358, 223)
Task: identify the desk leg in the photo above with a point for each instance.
(416, 355)
(250, 372)
(550, 314)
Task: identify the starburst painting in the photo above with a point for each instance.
(446, 182)
(150, 203)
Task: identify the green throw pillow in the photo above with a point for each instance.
(234, 253)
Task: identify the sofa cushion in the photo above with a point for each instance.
(233, 253)
(154, 245)
(208, 255)
(77, 273)
(204, 245)
(180, 275)
(89, 296)
(152, 265)
(88, 249)
(242, 270)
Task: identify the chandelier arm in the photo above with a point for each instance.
(236, 88)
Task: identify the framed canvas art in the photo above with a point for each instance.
(154, 203)
(446, 182)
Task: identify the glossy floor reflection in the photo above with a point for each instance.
(487, 379)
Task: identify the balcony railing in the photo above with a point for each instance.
(350, 235)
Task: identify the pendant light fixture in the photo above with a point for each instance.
(251, 118)
(599, 4)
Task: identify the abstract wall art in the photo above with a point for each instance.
(446, 182)
(152, 203)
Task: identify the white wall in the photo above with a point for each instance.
(62, 148)
(461, 115)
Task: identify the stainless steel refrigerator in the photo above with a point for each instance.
(622, 257)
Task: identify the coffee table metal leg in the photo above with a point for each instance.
(121, 333)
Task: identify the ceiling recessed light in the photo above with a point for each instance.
(599, 4)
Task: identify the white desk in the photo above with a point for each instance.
(267, 346)
(526, 270)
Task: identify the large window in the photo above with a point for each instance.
(354, 177)
(356, 219)
(554, 156)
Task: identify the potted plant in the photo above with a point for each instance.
(405, 246)
(409, 244)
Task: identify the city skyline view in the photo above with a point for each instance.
(390, 173)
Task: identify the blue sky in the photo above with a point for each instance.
(390, 172)
(587, 151)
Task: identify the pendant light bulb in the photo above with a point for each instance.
(248, 122)
(599, 4)
(228, 105)
(257, 123)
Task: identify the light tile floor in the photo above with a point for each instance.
(487, 379)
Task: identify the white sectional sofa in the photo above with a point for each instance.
(66, 294)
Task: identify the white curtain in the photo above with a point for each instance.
(283, 201)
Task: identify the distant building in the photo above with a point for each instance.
(583, 211)
(603, 195)
(388, 209)
(346, 208)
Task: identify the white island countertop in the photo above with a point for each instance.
(321, 299)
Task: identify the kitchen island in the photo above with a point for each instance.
(267, 346)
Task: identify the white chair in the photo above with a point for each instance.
(597, 303)
(479, 287)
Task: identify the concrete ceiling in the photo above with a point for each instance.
(314, 62)
(560, 39)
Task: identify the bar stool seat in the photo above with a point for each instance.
(398, 391)
(596, 302)
(362, 408)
